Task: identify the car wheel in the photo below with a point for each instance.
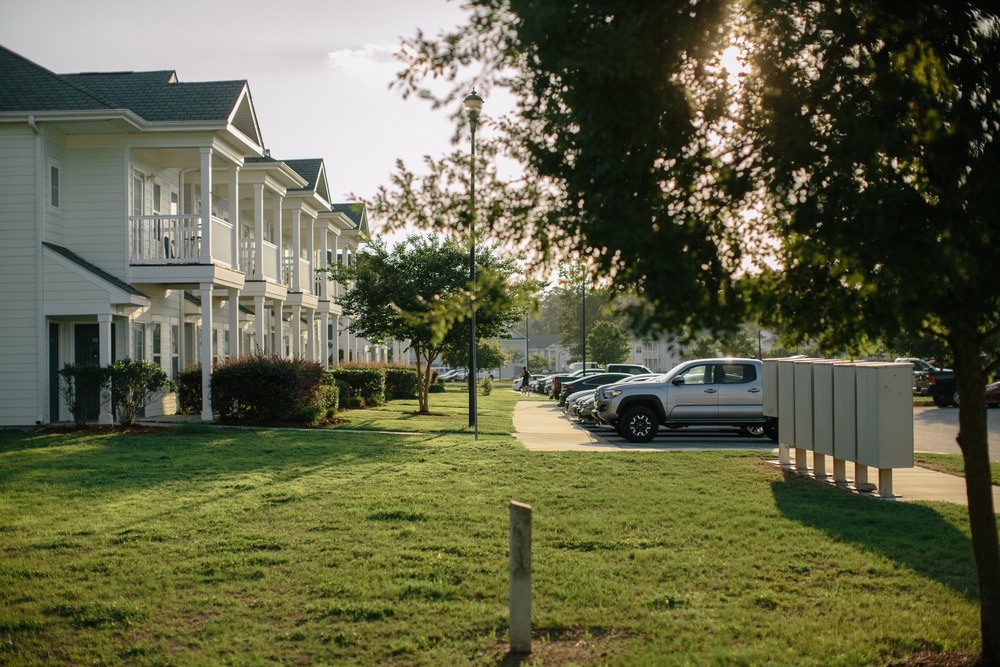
(639, 424)
(771, 431)
(954, 399)
(752, 431)
(941, 401)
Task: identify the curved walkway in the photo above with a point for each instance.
(543, 426)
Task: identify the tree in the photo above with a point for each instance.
(608, 343)
(489, 354)
(537, 363)
(134, 384)
(419, 291)
(844, 186)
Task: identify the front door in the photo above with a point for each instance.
(87, 351)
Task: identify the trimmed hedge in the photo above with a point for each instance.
(366, 384)
(266, 388)
(400, 382)
(189, 391)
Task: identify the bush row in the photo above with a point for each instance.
(263, 388)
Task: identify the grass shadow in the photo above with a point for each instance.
(914, 536)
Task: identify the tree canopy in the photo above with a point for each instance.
(838, 186)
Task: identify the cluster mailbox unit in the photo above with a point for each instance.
(858, 412)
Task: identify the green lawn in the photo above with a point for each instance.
(952, 464)
(332, 547)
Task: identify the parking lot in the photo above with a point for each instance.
(543, 425)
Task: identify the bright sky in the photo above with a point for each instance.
(318, 69)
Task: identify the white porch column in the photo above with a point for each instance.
(311, 335)
(234, 217)
(279, 329)
(259, 333)
(296, 331)
(296, 250)
(334, 260)
(324, 278)
(206, 352)
(258, 231)
(335, 353)
(324, 339)
(311, 249)
(206, 206)
(104, 359)
(234, 323)
(279, 243)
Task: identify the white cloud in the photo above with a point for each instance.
(374, 60)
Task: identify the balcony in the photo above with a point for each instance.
(305, 278)
(177, 239)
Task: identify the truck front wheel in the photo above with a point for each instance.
(638, 424)
(941, 401)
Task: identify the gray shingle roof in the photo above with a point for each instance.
(307, 169)
(355, 211)
(155, 96)
(100, 273)
(25, 86)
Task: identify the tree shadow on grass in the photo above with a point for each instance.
(913, 535)
(122, 461)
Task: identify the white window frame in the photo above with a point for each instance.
(54, 187)
(138, 204)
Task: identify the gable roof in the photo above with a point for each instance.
(157, 96)
(357, 212)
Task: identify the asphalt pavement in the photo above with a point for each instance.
(544, 426)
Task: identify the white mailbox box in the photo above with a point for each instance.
(885, 415)
(823, 422)
(786, 403)
(770, 387)
(845, 439)
(804, 405)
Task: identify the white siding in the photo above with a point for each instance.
(95, 209)
(18, 337)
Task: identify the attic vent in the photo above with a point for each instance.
(267, 152)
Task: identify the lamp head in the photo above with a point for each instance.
(473, 105)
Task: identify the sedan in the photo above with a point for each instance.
(993, 395)
(589, 382)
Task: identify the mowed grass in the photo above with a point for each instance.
(952, 464)
(331, 547)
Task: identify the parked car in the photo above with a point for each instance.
(713, 392)
(457, 375)
(554, 386)
(583, 407)
(921, 369)
(993, 395)
(588, 382)
(631, 369)
(516, 385)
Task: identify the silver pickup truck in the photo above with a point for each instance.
(704, 392)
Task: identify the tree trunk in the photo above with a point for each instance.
(973, 440)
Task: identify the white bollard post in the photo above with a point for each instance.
(520, 577)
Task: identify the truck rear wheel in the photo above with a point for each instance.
(638, 424)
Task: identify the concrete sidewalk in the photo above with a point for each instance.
(543, 426)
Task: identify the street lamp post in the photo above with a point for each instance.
(473, 105)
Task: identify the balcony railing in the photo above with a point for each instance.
(305, 275)
(270, 261)
(176, 239)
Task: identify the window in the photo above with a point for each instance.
(697, 375)
(138, 341)
(175, 351)
(138, 193)
(157, 194)
(54, 186)
(737, 373)
(157, 349)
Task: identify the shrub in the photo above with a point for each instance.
(400, 382)
(329, 392)
(365, 382)
(189, 390)
(265, 388)
(487, 385)
(437, 387)
(134, 383)
(79, 385)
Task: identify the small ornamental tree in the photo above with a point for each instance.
(80, 386)
(134, 385)
(419, 291)
(608, 344)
